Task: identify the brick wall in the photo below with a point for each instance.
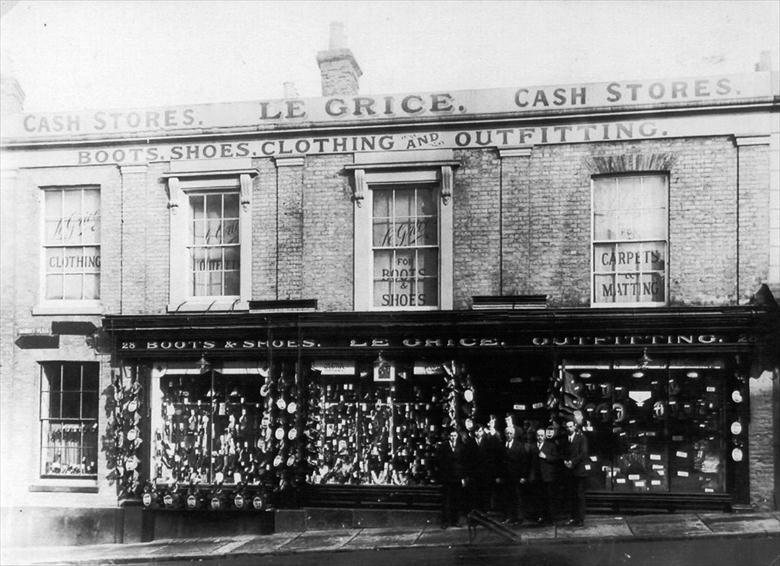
(328, 236)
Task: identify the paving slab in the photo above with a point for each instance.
(320, 540)
(266, 543)
(667, 526)
(546, 532)
(596, 529)
(383, 538)
(742, 523)
(453, 536)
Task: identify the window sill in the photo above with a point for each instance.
(68, 307)
(210, 305)
(80, 487)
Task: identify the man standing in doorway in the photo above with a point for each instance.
(575, 461)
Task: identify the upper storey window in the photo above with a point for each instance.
(211, 235)
(630, 242)
(72, 243)
(215, 244)
(405, 246)
(403, 230)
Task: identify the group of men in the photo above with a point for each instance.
(525, 474)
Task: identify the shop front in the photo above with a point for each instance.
(252, 411)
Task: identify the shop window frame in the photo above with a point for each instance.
(615, 244)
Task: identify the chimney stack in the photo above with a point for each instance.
(338, 68)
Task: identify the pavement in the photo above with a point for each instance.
(693, 527)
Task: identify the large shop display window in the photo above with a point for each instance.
(72, 244)
(231, 425)
(654, 428)
(630, 220)
(69, 419)
(369, 424)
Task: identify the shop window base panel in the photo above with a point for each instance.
(618, 503)
(423, 498)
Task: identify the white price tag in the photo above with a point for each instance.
(655, 456)
(655, 482)
(620, 480)
(681, 454)
(634, 477)
(682, 474)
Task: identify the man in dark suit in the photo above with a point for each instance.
(484, 468)
(453, 459)
(514, 475)
(544, 460)
(576, 464)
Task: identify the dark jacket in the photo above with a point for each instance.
(516, 462)
(452, 464)
(577, 452)
(544, 469)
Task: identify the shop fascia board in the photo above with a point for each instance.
(700, 319)
(530, 117)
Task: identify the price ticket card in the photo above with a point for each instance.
(682, 474)
(658, 467)
(655, 482)
(634, 477)
(655, 456)
(681, 454)
(620, 480)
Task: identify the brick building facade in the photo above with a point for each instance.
(492, 294)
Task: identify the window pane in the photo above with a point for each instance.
(232, 258)
(53, 204)
(90, 377)
(604, 258)
(404, 202)
(430, 292)
(231, 205)
(71, 405)
(427, 232)
(382, 294)
(55, 404)
(196, 202)
(232, 283)
(213, 206)
(382, 203)
(52, 379)
(54, 287)
(90, 217)
(72, 287)
(213, 235)
(71, 377)
(428, 263)
(382, 264)
(215, 283)
(652, 287)
(627, 287)
(383, 235)
(199, 284)
(604, 289)
(199, 232)
(89, 405)
(231, 231)
(426, 202)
